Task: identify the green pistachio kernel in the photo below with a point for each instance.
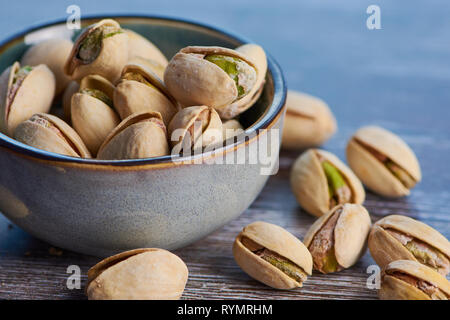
(401, 174)
(137, 77)
(329, 262)
(90, 47)
(22, 73)
(337, 188)
(98, 95)
(286, 266)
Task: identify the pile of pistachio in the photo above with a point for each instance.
(121, 97)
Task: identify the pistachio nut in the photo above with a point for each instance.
(272, 255)
(72, 88)
(338, 239)
(53, 53)
(258, 55)
(24, 91)
(320, 181)
(140, 89)
(308, 123)
(195, 127)
(141, 135)
(139, 46)
(398, 237)
(410, 280)
(102, 49)
(231, 128)
(92, 113)
(383, 161)
(212, 76)
(139, 274)
(49, 133)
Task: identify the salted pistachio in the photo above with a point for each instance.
(195, 127)
(24, 91)
(141, 135)
(308, 122)
(383, 161)
(410, 280)
(102, 48)
(139, 274)
(398, 237)
(320, 181)
(338, 239)
(231, 128)
(139, 46)
(140, 89)
(53, 53)
(92, 113)
(49, 133)
(212, 76)
(272, 255)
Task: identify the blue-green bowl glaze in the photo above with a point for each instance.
(102, 207)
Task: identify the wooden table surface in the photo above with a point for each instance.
(397, 77)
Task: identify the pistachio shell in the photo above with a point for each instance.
(374, 173)
(71, 89)
(279, 241)
(32, 95)
(309, 182)
(141, 135)
(138, 46)
(56, 137)
(53, 53)
(309, 121)
(140, 274)
(231, 128)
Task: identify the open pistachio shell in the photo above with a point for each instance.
(398, 237)
(102, 49)
(197, 76)
(138, 46)
(70, 90)
(319, 181)
(383, 161)
(24, 91)
(338, 239)
(141, 135)
(272, 255)
(140, 89)
(49, 133)
(140, 274)
(410, 280)
(231, 128)
(308, 123)
(53, 53)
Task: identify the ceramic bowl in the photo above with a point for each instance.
(104, 207)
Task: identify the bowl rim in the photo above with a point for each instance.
(265, 121)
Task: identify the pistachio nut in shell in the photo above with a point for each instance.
(258, 55)
(140, 89)
(140, 274)
(397, 237)
(383, 161)
(102, 48)
(320, 181)
(410, 280)
(139, 46)
(308, 123)
(70, 90)
(49, 133)
(195, 127)
(231, 128)
(272, 255)
(24, 91)
(53, 53)
(338, 239)
(212, 76)
(141, 135)
(92, 113)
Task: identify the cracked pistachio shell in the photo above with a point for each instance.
(194, 81)
(92, 118)
(140, 274)
(308, 123)
(372, 172)
(231, 128)
(49, 133)
(349, 235)
(132, 96)
(53, 53)
(395, 288)
(200, 124)
(141, 135)
(258, 55)
(309, 182)
(70, 90)
(277, 240)
(139, 46)
(385, 248)
(107, 61)
(21, 99)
